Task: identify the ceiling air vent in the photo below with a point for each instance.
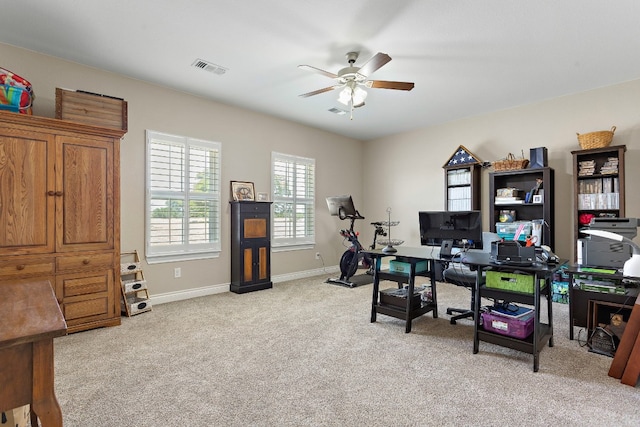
(210, 67)
(337, 111)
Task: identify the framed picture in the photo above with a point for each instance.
(241, 190)
(263, 197)
(537, 198)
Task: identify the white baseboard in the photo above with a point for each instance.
(220, 288)
(304, 274)
(188, 294)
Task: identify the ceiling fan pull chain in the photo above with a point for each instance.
(351, 118)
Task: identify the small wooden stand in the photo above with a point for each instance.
(135, 295)
(626, 362)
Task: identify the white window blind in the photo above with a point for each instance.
(293, 189)
(183, 198)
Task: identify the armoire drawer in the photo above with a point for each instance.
(17, 267)
(86, 298)
(84, 262)
(78, 285)
(78, 311)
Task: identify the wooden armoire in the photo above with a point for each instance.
(60, 213)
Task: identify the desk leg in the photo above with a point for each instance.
(550, 308)
(536, 322)
(407, 314)
(376, 286)
(571, 306)
(43, 401)
(476, 310)
(432, 280)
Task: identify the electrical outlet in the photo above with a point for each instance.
(177, 272)
(317, 255)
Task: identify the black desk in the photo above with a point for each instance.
(542, 332)
(579, 299)
(411, 256)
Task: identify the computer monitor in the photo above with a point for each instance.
(464, 228)
(341, 206)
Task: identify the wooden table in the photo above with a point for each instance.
(30, 318)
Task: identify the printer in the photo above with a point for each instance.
(603, 252)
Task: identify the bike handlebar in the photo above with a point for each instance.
(357, 215)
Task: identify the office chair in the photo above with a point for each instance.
(461, 275)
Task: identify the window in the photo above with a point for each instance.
(183, 198)
(293, 189)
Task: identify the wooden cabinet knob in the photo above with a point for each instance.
(86, 261)
(51, 193)
(20, 267)
(58, 193)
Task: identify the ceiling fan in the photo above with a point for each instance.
(352, 79)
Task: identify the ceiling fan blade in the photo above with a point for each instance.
(319, 91)
(318, 70)
(382, 84)
(378, 60)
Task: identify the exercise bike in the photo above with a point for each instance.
(355, 257)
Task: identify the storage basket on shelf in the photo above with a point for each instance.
(510, 163)
(598, 139)
(16, 93)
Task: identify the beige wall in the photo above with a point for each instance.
(247, 139)
(414, 179)
(403, 172)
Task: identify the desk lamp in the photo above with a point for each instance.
(632, 265)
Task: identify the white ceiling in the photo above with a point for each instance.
(466, 57)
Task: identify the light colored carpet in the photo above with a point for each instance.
(305, 354)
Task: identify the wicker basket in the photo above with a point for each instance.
(510, 163)
(596, 139)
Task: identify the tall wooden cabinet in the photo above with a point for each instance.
(60, 213)
(598, 184)
(250, 246)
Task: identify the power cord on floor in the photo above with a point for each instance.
(580, 342)
(324, 267)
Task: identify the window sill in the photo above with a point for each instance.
(159, 259)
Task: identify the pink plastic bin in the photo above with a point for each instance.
(515, 328)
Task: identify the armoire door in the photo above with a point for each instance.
(85, 207)
(26, 193)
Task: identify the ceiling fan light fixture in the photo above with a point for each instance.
(359, 95)
(352, 94)
(345, 96)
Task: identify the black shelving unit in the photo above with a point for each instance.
(524, 180)
(601, 191)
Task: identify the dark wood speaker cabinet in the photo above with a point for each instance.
(250, 246)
